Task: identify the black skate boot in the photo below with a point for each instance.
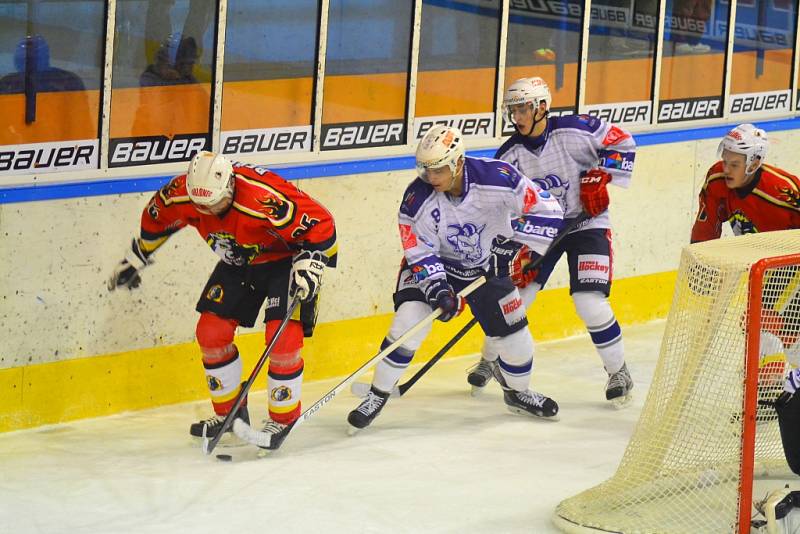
(213, 424)
(619, 386)
(278, 432)
(369, 408)
(480, 375)
(530, 403)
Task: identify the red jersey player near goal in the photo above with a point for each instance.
(274, 241)
(756, 197)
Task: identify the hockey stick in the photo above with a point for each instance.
(360, 389)
(208, 445)
(264, 439)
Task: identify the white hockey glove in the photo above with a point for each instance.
(126, 273)
(306, 277)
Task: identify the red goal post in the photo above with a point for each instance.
(707, 430)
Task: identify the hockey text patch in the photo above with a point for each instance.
(512, 307)
(594, 269)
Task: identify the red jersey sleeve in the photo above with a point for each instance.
(712, 211)
(167, 212)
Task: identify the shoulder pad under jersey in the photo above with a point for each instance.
(585, 123)
(414, 197)
(486, 171)
(508, 145)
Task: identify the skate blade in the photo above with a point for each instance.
(520, 411)
(352, 431)
(623, 402)
(476, 391)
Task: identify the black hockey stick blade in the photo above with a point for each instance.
(209, 444)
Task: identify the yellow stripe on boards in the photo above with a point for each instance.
(102, 385)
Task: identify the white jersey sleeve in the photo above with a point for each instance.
(418, 231)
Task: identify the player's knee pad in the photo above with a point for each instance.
(514, 349)
(286, 352)
(215, 336)
(407, 315)
(593, 308)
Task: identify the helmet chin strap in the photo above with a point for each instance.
(535, 122)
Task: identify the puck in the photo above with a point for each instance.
(224, 457)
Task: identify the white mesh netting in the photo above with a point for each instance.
(680, 472)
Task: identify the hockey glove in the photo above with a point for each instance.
(306, 277)
(519, 276)
(126, 273)
(594, 195)
(440, 294)
(505, 253)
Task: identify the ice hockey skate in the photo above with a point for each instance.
(209, 428)
(479, 375)
(618, 388)
(530, 402)
(368, 410)
(276, 432)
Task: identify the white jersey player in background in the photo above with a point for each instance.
(573, 158)
(453, 221)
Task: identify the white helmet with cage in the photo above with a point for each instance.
(441, 146)
(748, 140)
(210, 178)
(526, 90)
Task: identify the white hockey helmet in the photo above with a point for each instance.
(441, 145)
(526, 90)
(210, 178)
(748, 140)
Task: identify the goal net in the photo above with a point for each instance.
(707, 429)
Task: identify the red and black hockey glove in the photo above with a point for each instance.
(594, 195)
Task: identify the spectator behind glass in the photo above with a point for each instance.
(173, 64)
(45, 77)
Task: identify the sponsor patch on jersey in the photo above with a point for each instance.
(407, 237)
(614, 136)
(594, 269)
(611, 159)
(512, 307)
(215, 293)
(406, 280)
(530, 200)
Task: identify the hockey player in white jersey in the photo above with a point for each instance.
(455, 226)
(572, 157)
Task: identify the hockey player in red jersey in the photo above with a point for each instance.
(755, 197)
(274, 242)
(743, 190)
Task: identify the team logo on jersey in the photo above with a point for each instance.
(153, 209)
(226, 247)
(614, 136)
(466, 240)
(741, 225)
(790, 195)
(555, 186)
(214, 383)
(278, 209)
(407, 237)
(215, 293)
(280, 394)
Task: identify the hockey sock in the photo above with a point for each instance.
(284, 385)
(516, 358)
(391, 368)
(223, 377)
(595, 311)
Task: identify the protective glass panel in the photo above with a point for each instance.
(366, 73)
(693, 64)
(622, 37)
(270, 61)
(762, 56)
(51, 56)
(161, 85)
(544, 39)
(458, 66)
